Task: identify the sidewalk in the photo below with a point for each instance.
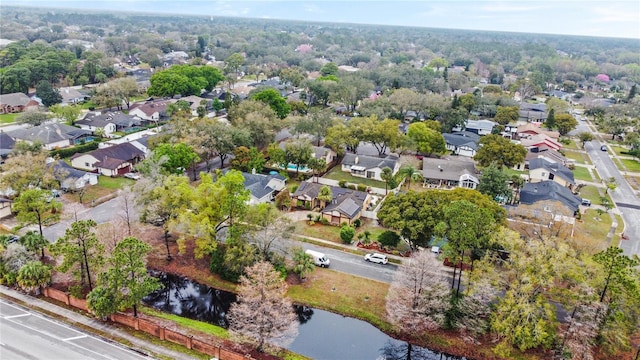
(72, 317)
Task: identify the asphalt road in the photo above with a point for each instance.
(624, 197)
(25, 334)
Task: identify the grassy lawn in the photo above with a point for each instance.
(615, 241)
(337, 174)
(582, 173)
(631, 165)
(594, 226)
(511, 172)
(332, 233)
(591, 193)
(349, 295)
(106, 185)
(619, 149)
(8, 118)
(572, 145)
(577, 156)
(201, 326)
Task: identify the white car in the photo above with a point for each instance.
(132, 176)
(376, 258)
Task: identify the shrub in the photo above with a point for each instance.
(389, 238)
(294, 188)
(353, 187)
(324, 221)
(68, 152)
(347, 233)
(362, 187)
(307, 206)
(342, 183)
(357, 223)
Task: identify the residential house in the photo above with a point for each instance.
(71, 96)
(480, 127)
(151, 110)
(463, 143)
(449, 173)
(325, 153)
(6, 145)
(369, 167)
(263, 188)
(346, 205)
(5, 207)
(16, 103)
(540, 141)
(175, 57)
(543, 170)
(52, 136)
(551, 197)
(110, 161)
(110, 122)
(71, 179)
(545, 153)
(194, 103)
(529, 129)
(535, 113)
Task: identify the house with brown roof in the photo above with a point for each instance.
(540, 141)
(530, 129)
(346, 205)
(449, 173)
(16, 103)
(110, 161)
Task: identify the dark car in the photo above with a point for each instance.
(603, 148)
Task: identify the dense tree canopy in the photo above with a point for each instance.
(184, 80)
(499, 150)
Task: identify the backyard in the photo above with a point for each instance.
(337, 174)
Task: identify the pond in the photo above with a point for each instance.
(321, 335)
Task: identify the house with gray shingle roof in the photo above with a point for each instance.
(71, 96)
(463, 143)
(263, 188)
(449, 173)
(71, 179)
(480, 127)
(6, 144)
(110, 122)
(52, 136)
(550, 196)
(15, 103)
(369, 167)
(543, 170)
(345, 206)
(110, 161)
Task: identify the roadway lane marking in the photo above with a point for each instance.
(75, 338)
(631, 206)
(15, 316)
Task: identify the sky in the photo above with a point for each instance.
(568, 17)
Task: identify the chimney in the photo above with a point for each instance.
(356, 160)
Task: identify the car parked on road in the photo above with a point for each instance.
(376, 258)
(603, 147)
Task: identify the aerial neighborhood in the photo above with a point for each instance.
(468, 194)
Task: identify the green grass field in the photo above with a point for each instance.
(572, 145)
(337, 174)
(8, 118)
(582, 173)
(591, 193)
(577, 156)
(631, 165)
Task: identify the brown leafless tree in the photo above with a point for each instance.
(419, 294)
(262, 313)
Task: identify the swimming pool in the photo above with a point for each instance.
(302, 169)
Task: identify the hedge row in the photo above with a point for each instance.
(68, 152)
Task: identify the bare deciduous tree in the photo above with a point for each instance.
(263, 314)
(475, 309)
(419, 296)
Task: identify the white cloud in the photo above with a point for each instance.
(608, 14)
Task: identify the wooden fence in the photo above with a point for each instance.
(149, 327)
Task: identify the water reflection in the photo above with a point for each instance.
(329, 336)
(181, 296)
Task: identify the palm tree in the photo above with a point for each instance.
(387, 177)
(317, 165)
(325, 196)
(407, 173)
(33, 275)
(33, 241)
